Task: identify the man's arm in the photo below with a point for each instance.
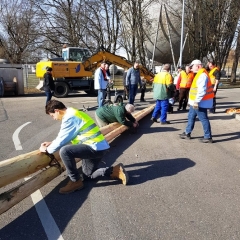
(68, 131)
(202, 87)
(217, 76)
(128, 77)
(97, 79)
(178, 81)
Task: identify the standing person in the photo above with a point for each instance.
(184, 83)
(116, 113)
(48, 84)
(175, 81)
(163, 89)
(100, 83)
(215, 76)
(108, 75)
(200, 99)
(88, 143)
(143, 90)
(125, 86)
(133, 79)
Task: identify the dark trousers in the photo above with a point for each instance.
(132, 92)
(125, 93)
(183, 98)
(90, 161)
(213, 109)
(49, 96)
(143, 90)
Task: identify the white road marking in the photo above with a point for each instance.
(15, 137)
(51, 229)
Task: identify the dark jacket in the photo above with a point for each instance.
(115, 113)
(48, 83)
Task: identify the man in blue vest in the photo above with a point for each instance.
(88, 143)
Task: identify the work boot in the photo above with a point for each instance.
(154, 120)
(185, 136)
(71, 187)
(118, 172)
(206, 140)
(163, 123)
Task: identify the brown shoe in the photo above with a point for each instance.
(119, 172)
(71, 187)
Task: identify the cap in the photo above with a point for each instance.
(129, 107)
(138, 61)
(196, 61)
(49, 69)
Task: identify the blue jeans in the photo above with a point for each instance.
(132, 92)
(90, 161)
(101, 97)
(49, 96)
(203, 117)
(161, 109)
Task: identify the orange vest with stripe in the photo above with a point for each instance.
(212, 77)
(194, 88)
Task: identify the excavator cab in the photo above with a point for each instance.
(75, 54)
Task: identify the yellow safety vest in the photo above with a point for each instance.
(212, 77)
(163, 78)
(89, 133)
(194, 88)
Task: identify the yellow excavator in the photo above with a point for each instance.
(74, 70)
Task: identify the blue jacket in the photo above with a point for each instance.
(133, 77)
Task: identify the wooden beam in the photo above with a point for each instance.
(26, 164)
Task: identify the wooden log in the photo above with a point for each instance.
(23, 165)
(13, 196)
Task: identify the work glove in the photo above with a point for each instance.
(195, 105)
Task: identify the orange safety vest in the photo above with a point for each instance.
(194, 88)
(212, 77)
(186, 79)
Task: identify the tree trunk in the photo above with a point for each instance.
(235, 60)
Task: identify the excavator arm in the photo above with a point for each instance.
(94, 61)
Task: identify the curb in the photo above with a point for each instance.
(237, 116)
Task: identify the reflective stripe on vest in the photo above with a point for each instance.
(212, 77)
(194, 88)
(89, 133)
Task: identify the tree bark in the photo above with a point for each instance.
(235, 60)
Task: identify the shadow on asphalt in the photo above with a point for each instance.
(151, 170)
(64, 207)
(226, 137)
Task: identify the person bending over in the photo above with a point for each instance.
(88, 143)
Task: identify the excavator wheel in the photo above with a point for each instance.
(61, 89)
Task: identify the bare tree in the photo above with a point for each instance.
(134, 18)
(213, 27)
(236, 58)
(19, 35)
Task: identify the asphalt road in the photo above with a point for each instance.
(178, 189)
